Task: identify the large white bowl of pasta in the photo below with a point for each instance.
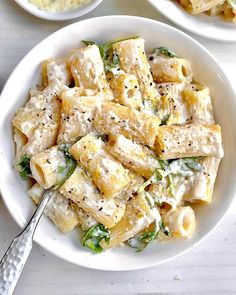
(129, 140)
(215, 19)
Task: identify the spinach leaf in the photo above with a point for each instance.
(168, 169)
(94, 235)
(112, 62)
(149, 199)
(142, 241)
(24, 165)
(185, 166)
(165, 120)
(150, 106)
(110, 59)
(155, 178)
(164, 229)
(160, 173)
(193, 164)
(164, 51)
(87, 43)
(70, 164)
(171, 184)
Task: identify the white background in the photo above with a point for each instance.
(209, 268)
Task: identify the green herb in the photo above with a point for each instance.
(112, 62)
(146, 239)
(155, 178)
(70, 164)
(164, 229)
(142, 241)
(110, 59)
(171, 184)
(149, 199)
(60, 169)
(193, 164)
(163, 164)
(24, 165)
(87, 43)
(165, 120)
(94, 235)
(150, 106)
(157, 175)
(168, 169)
(165, 52)
(185, 166)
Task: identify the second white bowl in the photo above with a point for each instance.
(211, 27)
(63, 15)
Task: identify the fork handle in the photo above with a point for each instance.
(15, 258)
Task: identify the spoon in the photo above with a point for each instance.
(16, 256)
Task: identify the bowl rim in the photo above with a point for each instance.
(226, 81)
(202, 33)
(58, 16)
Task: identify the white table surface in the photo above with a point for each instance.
(209, 268)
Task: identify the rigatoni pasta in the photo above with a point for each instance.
(107, 173)
(181, 221)
(133, 60)
(80, 189)
(36, 124)
(225, 8)
(201, 185)
(56, 69)
(114, 118)
(192, 140)
(126, 142)
(126, 90)
(198, 102)
(88, 60)
(58, 209)
(137, 217)
(77, 113)
(166, 69)
(134, 156)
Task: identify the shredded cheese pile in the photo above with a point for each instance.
(58, 5)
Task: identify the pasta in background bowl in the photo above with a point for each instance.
(209, 26)
(14, 192)
(226, 9)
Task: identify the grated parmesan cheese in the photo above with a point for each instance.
(59, 5)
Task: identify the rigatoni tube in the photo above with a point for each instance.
(134, 156)
(80, 189)
(181, 221)
(58, 209)
(88, 70)
(107, 173)
(193, 140)
(138, 216)
(116, 119)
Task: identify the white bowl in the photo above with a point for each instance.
(102, 29)
(212, 27)
(64, 15)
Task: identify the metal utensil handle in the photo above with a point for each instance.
(14, 259)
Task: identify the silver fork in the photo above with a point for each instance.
(16, 256)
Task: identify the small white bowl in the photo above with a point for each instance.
(211, 27)
(102, 29)
(63, 15)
